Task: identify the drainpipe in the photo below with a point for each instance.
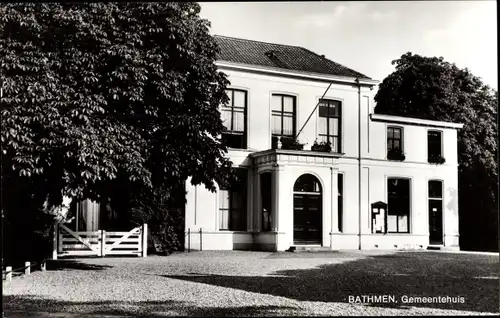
(359, 162)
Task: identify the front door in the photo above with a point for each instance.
(307, 219)
(307, 211)
(435, 222)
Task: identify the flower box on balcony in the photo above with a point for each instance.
(436, 159)
(323, 146)
(396, 154)
(291, 144)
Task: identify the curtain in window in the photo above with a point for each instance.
(283, 115)
(394, 138)
(276, 124)
(224, 209)
(232, 204)
(398, 219)
(329, 123)
(233, 115)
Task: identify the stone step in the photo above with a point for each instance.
(434, 247)
(442, 248)
(308, 248)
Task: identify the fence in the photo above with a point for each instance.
(7, 274)
(188, 234)
(99, 243)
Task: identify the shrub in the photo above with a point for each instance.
(163, 211)
(27, 236)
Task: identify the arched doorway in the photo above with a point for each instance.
(307, 210)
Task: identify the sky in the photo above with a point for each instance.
(367, 36)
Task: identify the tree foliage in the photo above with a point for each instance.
(431, 88)
(95, 92)
(103, 95)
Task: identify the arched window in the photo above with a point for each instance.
(307, 183)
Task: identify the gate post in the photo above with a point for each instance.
(54, 241)
(103, 243)
(59, 239)
(8, 275)
(144, 240)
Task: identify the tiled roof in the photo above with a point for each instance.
(279, 56)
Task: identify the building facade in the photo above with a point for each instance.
(360, 181)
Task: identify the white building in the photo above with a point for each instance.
(290, 198)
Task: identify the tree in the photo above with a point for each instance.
(103, 95)
(431, 88)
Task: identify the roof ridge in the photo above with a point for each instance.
(241, 39)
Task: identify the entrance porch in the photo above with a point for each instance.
(295, 197)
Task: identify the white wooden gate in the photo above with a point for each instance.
(99, 243)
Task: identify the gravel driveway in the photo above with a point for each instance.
(215, 283)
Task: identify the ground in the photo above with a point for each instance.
(216, 283)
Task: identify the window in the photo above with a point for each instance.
(283, 117)
(398, 207)
(329, 128)
(395, 143)
(394, 140)
(234, 119)
(436, 189)
(307, 183)
(232, 204)
(340, 186)
(265, 193)
(433, 144)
